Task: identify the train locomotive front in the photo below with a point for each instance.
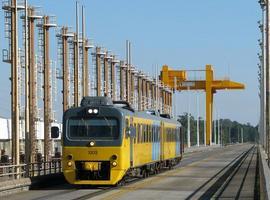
(93, 153)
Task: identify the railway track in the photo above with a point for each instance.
(231, 181)
(217, 186)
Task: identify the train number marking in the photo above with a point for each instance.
(92, 152)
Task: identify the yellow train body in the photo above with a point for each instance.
(145, 143)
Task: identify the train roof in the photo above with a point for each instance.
(147, 115)
(124, 108)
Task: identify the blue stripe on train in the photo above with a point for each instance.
(155, 150)
(156, 146)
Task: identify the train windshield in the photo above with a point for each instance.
(101, 128)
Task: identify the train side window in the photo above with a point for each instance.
(142, 133)
(150, 133)
(135, 139)
(139, 133)
(145, 133)
(166, 134)
(153, 133)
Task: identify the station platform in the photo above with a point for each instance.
(224, 172)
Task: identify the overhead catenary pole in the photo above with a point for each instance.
(122, 84)
(65, 66)
(47, 87)
(32, 82)
(14, 84)
(26, 67)
(106, 74)
(86, 64)
(188, 119)
(267, 80)
(98, 71)
(204, 131)
(127, 71)
(85, 57)
(198, 119)
(113, 86)
(218, 129)
(76, 59)
(139, 92)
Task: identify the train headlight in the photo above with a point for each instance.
(114, 163)
(95, 111)
(92, 143)
(69, 163)
(90, 111)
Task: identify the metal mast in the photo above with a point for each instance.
(32, 81)
(98, 70)
(127, 71)
(47, 87)
(85, 57)
(76, 59)
(65, 65)
(11, 56)
(113, 83)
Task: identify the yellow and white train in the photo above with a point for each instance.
(105, 141)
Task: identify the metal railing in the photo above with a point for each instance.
(10, 172)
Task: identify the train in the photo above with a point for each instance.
(106, 141)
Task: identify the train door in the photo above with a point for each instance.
(132, 134)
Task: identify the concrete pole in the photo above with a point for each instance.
(139, 92)
(147, 93)
(122, 84)
(188, 131)
(65, 67)
(32, 82)
(127, 72)
(26, 122)
(267, 81)
(85, 57)
(76, 70)
(132, 85)
(76, 59)
(143, 93)
(98, 70)
(262, 27)
(47, 88)
(14, 85)
(218, 133)
(215, 130)
(106, 74)
(113, 84)
(86, 67)
(198, 119)
(204, 132)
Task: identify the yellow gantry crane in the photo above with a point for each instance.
(177, 80)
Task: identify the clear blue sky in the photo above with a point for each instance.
(180, 33)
